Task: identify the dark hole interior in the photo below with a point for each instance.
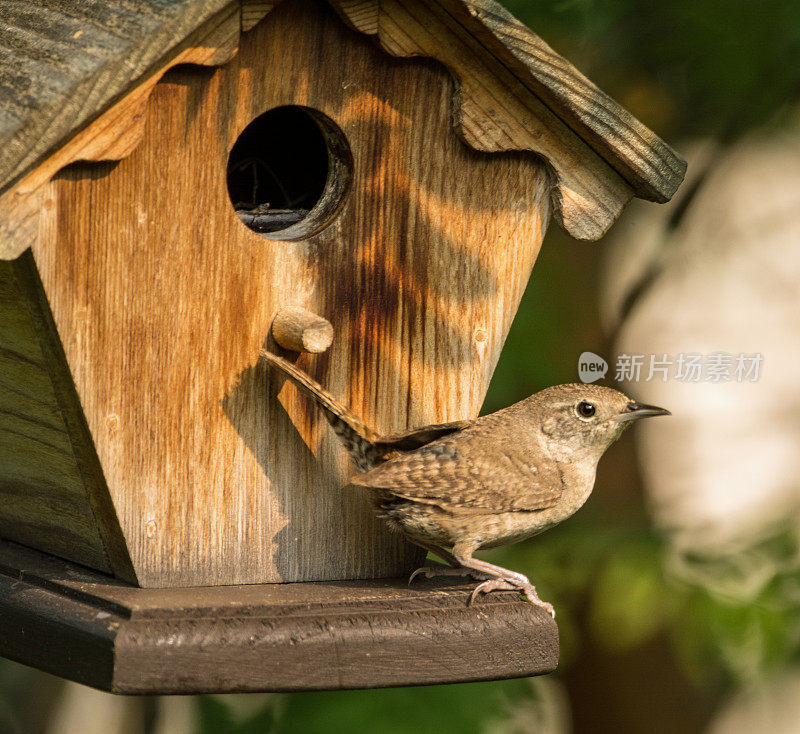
(277, 169)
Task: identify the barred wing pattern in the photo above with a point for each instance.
(454, 473)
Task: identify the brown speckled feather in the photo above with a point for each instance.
(471, 470)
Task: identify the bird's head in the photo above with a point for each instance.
(582, 421)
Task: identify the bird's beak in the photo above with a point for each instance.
(637, 410)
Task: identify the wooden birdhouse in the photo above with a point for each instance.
(173, 177)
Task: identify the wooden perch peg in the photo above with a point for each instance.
(299, 330)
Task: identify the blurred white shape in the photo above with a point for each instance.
(177, 715)
(726, 466)
(544, 710)
(245, 706)
(83, 710)
(772, 707)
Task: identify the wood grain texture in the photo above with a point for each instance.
(113, 135)
(644, 160)
(215, 478)
(52, 493)
(495, 111)
(279, 637)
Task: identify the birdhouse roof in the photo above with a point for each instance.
(62, 65)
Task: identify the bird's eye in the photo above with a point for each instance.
(585, 410)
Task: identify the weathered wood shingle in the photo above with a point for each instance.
(652, 167)
(64, 62)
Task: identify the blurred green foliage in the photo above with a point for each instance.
(740, 614)
(687, 68)
(460, 708)
(216, 715)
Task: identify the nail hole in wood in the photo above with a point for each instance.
(289, 172)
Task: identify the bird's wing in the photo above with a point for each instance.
(468, 478)
(418, 437)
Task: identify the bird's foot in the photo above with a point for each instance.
(499, 584)
(489, 583)
(433, 571)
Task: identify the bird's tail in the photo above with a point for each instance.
(357, 437)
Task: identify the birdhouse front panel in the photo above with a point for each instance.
(163, 298)
(311, 167)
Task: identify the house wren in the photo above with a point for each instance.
(486, 482)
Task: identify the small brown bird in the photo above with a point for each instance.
(486, 482)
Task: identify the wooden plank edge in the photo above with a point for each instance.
(429, 637)
(330, 650)
(56, 634)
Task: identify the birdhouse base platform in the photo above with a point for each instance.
(93, 629)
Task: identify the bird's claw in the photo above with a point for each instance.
(546, 605)
(424, 570)
(490, 585)
(527, 590)
(433, 571)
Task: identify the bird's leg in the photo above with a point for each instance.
(499, 579)
(445, 555)
(454, 569)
